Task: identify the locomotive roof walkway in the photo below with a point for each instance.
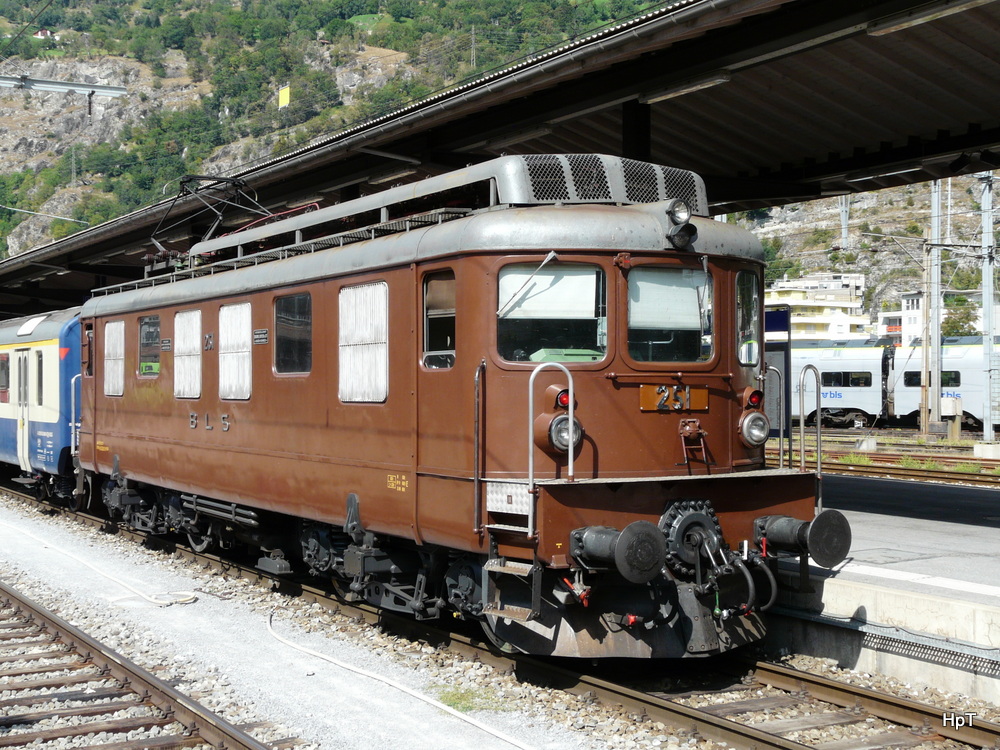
(771, 101)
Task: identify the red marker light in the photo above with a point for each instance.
(755, 399)
(562, 400)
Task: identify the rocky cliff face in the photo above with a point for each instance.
(886, 231)
(38, 127)
(41, 125)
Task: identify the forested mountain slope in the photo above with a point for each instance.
(203, 77)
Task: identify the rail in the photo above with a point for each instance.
(169, 704)
(717, 721)
(531, 434)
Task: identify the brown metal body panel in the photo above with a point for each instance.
(293, 447)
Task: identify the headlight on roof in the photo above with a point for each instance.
(678, 211)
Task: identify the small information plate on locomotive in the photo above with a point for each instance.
(673, 398)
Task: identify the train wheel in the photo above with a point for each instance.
(76, 502)
(501, 645)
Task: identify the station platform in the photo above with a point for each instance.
(917, 598)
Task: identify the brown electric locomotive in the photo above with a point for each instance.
(528, 393)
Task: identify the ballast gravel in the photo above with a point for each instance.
(218, 648)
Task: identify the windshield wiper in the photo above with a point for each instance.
(514, 296)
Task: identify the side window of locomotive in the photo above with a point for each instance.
(88, 350)
(669, 314)
(187, 354)
(235, 343)
(364, 343)
(293, 334)
(748, 318)
(149, 346)
(439, 321)
(114, 358)
(555, 312)
(4, 378)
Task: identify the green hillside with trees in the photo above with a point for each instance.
(244, 51)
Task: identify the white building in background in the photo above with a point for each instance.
(823, 306)
(906, 325)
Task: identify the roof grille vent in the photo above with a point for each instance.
(641, 182)
(548, 179)
(590, 180)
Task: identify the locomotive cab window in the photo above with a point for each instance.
(748, 318)
(293, 334)
(669, 314)
(439, 321)
(88, 350)
(149, 346)
(554, 312)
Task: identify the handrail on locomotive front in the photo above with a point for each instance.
(781, 417)
(819, 436)
(74, 422)
(531, 438)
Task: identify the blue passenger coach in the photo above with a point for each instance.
(39, 391)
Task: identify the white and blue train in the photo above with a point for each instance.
(39, 398)
(866, 383)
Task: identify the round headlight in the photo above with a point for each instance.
(754, 429)
(559, 433)
(679, 211)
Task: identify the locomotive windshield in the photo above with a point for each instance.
(669, 314)
(556, 312)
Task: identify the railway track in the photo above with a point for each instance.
(59, 684)
(779, 707)
(773, 706)
(922, 467)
